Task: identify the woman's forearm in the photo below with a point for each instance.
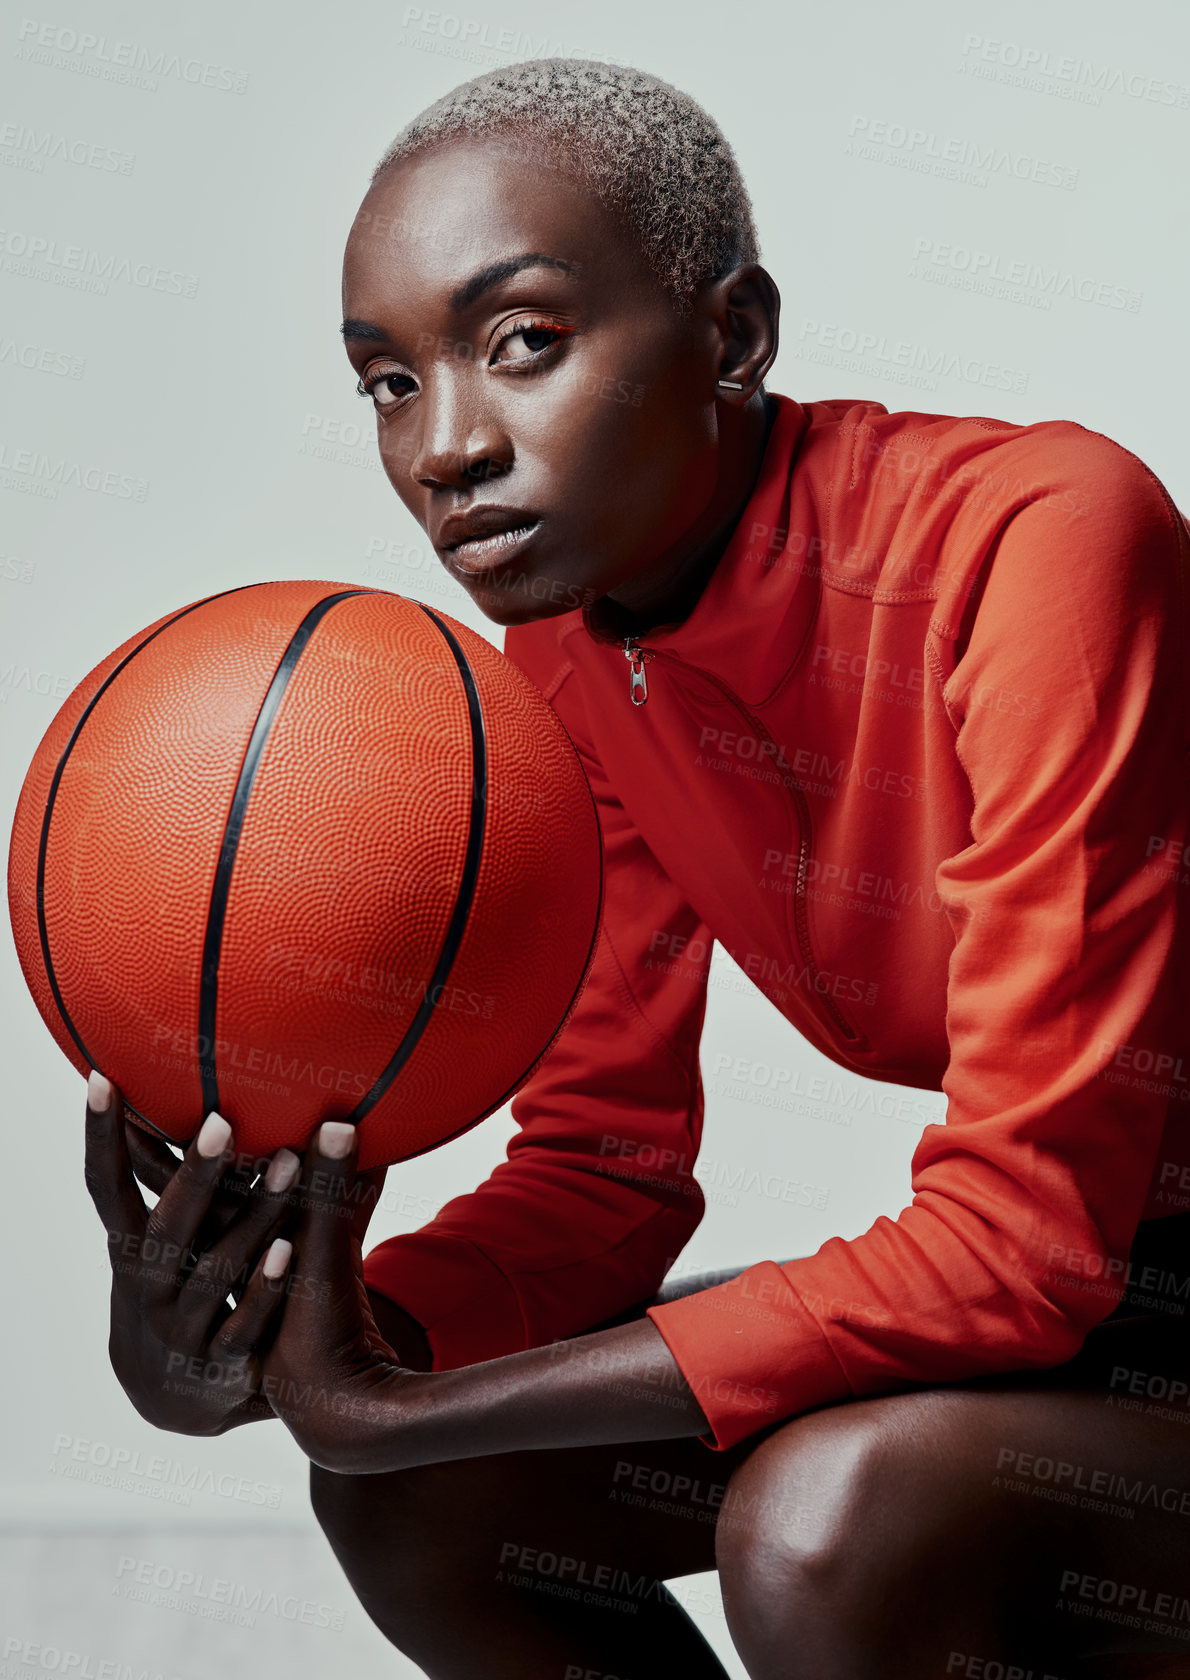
(620, 1384)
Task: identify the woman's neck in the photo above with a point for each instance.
(637, 606)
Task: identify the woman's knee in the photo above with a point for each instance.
(829, 1528)
(791, 1509)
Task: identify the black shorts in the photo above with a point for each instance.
(1145, 1336)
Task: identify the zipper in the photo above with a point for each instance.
(637, 658)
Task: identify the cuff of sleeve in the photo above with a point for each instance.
(464, 1303)
(751, 1353)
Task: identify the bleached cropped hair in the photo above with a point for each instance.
(642, 147)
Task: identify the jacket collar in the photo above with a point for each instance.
(750, 621)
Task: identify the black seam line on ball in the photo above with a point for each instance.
(43, 930)
(466, 893)
(208, 999)
(574, 997)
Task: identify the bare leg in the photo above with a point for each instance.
(535, 1564)
(904, 1537)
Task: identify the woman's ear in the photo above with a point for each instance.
(745, 306)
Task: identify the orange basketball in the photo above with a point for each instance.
(305, 851)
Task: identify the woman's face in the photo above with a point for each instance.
(531, 376)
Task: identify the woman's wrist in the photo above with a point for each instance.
(620, 1384)
(255, 1408)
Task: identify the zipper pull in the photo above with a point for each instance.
(637, 658)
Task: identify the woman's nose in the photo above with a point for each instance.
(458, 444)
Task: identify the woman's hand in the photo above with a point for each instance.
(327, 1365)
(353, 1408)
(186, 1360)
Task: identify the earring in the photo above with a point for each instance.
(731, 384)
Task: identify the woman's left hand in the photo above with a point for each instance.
(328, 1364)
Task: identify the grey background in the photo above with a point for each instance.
(225, 162)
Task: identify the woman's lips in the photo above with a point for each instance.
(483, 554)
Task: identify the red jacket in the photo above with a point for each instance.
(917, 760)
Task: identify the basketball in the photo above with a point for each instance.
(304, 851)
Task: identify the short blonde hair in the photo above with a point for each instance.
(642, 147)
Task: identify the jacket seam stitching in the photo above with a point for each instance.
(855, 586)
(559, 677)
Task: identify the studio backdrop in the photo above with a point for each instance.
(969, 209)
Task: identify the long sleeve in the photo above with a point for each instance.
(1068, 970)
(597, 1195)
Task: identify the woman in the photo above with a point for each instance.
(924, 663)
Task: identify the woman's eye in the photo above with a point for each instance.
(529, 340)
(385, 389)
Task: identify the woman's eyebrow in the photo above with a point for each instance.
(493, 273)
(481, 281)
(363, 329)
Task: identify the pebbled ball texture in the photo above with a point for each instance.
(322, 899)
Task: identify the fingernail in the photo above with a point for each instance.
(277, 1258)
(282, 1170)
(213, 1135)
(99, 1092)
(334, 1139)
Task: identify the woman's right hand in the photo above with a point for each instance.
(186, 1359)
